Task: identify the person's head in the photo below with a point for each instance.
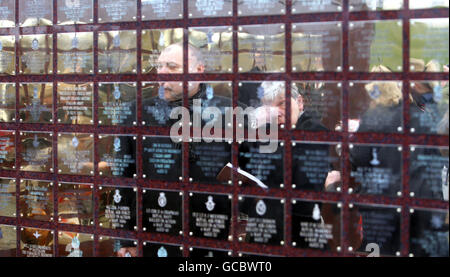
(171, 62)
(275, 97)
(420, 88)
(385, 94)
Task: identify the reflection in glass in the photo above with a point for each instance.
(75, 245)
(262, 48)
(116, 10)
(7, 150)
(75, 12)
(162, 159)
(7, 55)
(36, 242)
(429, 45)
(7, 13)
(118, 208)
(216, 47)
(8, 241)
(36, 200)
(117, 104)
(420, 4)
(76, 154)
(117, 247)
(375, 43)
(36, 102)
(261, 7)
(36, 54)
(311, 6)
(75, 103)
(76, 204)
(158, 101)
(161, 9)
(117, 156)
(369, 5)
(117, 52)
(7, 198)
(210, 8)
(75, 53)
(36, 152)
(7, 102)
(207, 162)
(35, 13)
(317, 47)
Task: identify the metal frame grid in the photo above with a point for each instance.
(287, 135)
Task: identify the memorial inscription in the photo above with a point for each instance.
(117, 10)
(36, 243)
(75, 53)
(76, 154)
(76, 204)
(117, 104)
(118, 208)
(7, 55)
(36, 103)
(163, 212)
(36, 54)
(37, 151)
(36, 200)
(75, 103)
(117, 156)
(161, 9)
(117, 52)
(162, 159)
(75, 12)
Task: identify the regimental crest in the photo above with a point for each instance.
(116, 41)
(75, 142)
(35, 142)
(375, 161)
(117, 92)
(162, 41)
(35, 93)
(261, 208)
(209, 92)
(35, 44)
(209, 37)
(316, 212)
(375, 93)
(162, 252)
(117, 197)
(75, 43)
(117, 147)
(162, 93)
(210, 205)
(162, 200)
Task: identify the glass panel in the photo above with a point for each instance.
(316, 225)
(8, 241)
(376, 169)
(163, 212)
(76, 204)
(35, 13)
(261, 220)
(162, 51)
(317, 47)
(159, 250)
(117, 247)
(76, 154)
(75, 12)
(8, 13)
(429, 45)
(7, 102)
(75, 103)
(210, 216)
(117, 52)
(428, 171)
(195, 252)
(75, 244)
(75, 53)
(429, 233)
(158, 101)
(117, 10)
(162, 159)
(420, 4)
(36, 152)
(118, 208)
(7, 149)
(36, 243)
(7, 54)
(370, 5)
(316, 166)
(161, 9)
(117, 104)
(117, 156)
(36, 103)
(429, 108)
(212, 47)
(210, 8)
(261, 7)
(376, 106)
(36, 54)
(36, 200)
(7, 198)
(374, 45)
(262, 48)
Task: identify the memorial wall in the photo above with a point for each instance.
(356, 94)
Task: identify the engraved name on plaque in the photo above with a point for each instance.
(117, 52)
(7, 102)
(262, 48)
(36, 103)
(76, 204)
(161, 9)
(37, 151)
(7, 55)
(162, 250)
(36, 242)
(118, 208)
(75, 12)
(117, 155)
(36, 200)
(210, 215)
(158, 47)
(75, 103)
(8, 241)
(163, 212)
(7, 13)
(316, 6)
(7, 197)
(35, 13)
(76, 154)
(210, 8)
(117, 10)
(75, 53)
(162, 159)
(36, 54)
(7, 150)
(75, 245)
(117, 104)
(261, 7)
(216, 46)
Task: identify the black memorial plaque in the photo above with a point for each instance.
(160, 250)
(7, 102)
(428, 171)
(161, 9)
(75, 245)
(380, 226)
(117, 247)
(117, 155)
(262, 220)
(117, 104)
(266, 168)
(316, 225)
(376, 169)
(162, 159)
(36, 200)
(76, 154)
(7, 197)
(158, 102)
(428, 233)
(118, 208)
(207, 160)
(210, 215)
(8, 241)
(163, 212)
(313, 163)
(7, 150)
(76, 204)
(37, 151)
(75, 12)
(197, 252)
(36, 243)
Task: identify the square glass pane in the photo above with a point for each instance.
(75, 245)
(76, 204)
(117, 104)
(7, 197)
(314, 6)
(118, 208)
(117, 156)
(117, 52)
(162, 159)
(161, 9)
(36, 200)
(8, 13)
(37, 243)
(36, 54)
(261, 7)
(210, 8)
(36, 102)
(76, 154)
(7, 55)
(8, 241)
(75, 53)
(35, 13)
(36, 151)
(75, 103)
(75, 12)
